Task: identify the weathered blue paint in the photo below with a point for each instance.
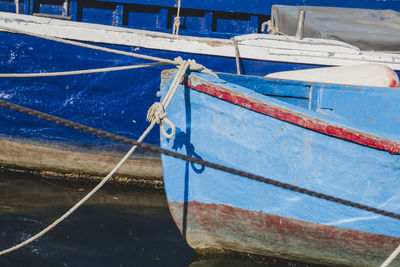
(213, 129)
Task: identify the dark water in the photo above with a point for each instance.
(120, 226)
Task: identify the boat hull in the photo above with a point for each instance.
(24, 156)
(221, 211)
(118, 101)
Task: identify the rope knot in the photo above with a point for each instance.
(175, 27)
(194, 66)
(179, 61)
(271, 28)
(157, 114)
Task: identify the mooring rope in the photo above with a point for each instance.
(193, 65)
(78, 72)
(177, 20)
(237, 55)
(95, 47)
(216, 166)
(16, 2)
(391, 258)
(156, 114)
(157, 110)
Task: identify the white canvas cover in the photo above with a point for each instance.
(367, 29)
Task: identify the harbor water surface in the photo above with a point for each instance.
(121, 225)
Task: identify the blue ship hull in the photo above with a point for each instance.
(338, 140)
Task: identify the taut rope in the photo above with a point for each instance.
(95, 47)
(237, 55)
(177, 20)
(77, 72)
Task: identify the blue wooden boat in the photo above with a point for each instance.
(118, 101)
(341, 141)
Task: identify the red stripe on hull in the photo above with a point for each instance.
(294, 118)
(216, 227)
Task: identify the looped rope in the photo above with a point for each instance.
(175, 27)
(177, 20)
(157, 114)
(272, 29)
(194, 66)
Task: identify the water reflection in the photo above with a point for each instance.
(120, 226)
